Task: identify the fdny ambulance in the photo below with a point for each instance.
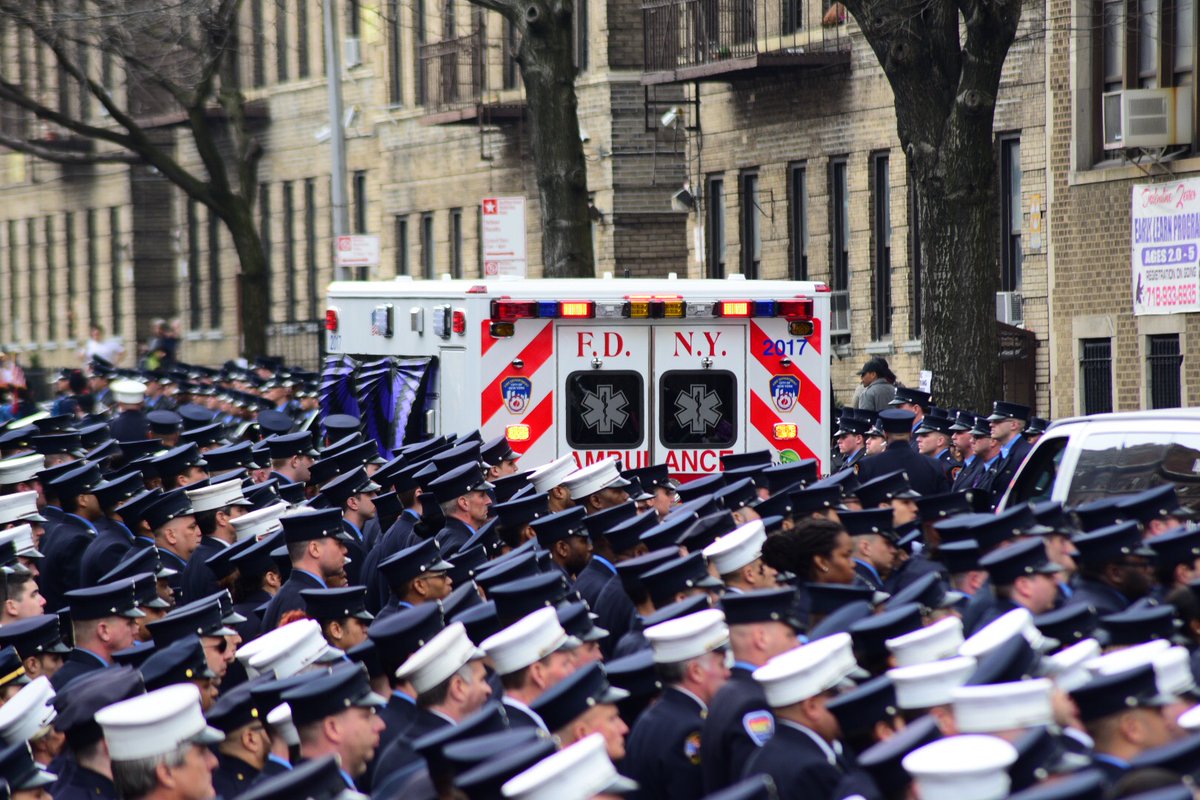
(649, 371)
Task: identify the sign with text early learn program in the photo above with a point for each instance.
(1166, 247)
(503, 233)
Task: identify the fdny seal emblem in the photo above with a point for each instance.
(516, 393)
(785, 389)
(759, 726)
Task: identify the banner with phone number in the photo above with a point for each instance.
(1166, 247)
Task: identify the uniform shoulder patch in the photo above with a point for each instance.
(691, 748)
(759, 726)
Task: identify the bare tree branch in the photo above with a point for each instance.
(66, 157)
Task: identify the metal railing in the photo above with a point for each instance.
(1095, 372)
(299, 344)
(1163, 362)
(460, 73)
(696, 33)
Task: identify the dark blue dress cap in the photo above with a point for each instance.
(700, 486)
(480, 621)
(343, 487)
(516, 514)
(1144, 621)
(756, 787)
(559, 526)
(1022, 559)
(20, 771)
(1021, 520)
(1181, 757)
(113, 599)
(291, 493)
(826, 598)
(1037, 425)
(465, 595)
(1098, 513)
(412, 562)
(869, 634)
(221, 562)
(704, 531)
(1151, 504)
(783, 477)
(276, 423)
(601, 522)
(312, 779)
(178, 459)
(840, 621)
(267, 694)
(488, 720)
(868, 521)
(1003, 409)
(115, 491)
(11, 670)
(198, 618)
(1174, 791)
(495, 451)
(233, 456)
(33, 636)
(1179, 545)
(89, 693)
(815, 499)
(933, 423)
(367, 654)
(1070, 624)
(164, 421)
(522, 565)
(327, 605)
(777, 505)
(851, 426)
(625, 534)
(83, 479)
(195, 415)
(630, 571)
(145, 589)
(960, 556)
(286, 445)
(738, 494)
(755, 458)
(859, 709)
(205, 436)
(960, 527)
(255, 561)
(463, 454)
(668, 532)
(469, 560)
(680, 575)
(92, 436)
(1051, 514)
(908, 395)
(929, 591)
(134, 656)
(895, 420)
(139, 561)
(337, 426)
(1111, 543)
(234, 709)
(882, 761)
(1090, 784)
(680, 608)
(49, 444)
(635, 673)
(1105, 695)
(307, 525)
(762, 605)
(345, 686)
(652, 477)
(516, 599)
(181, 661)
(326, 469)
(579, 621)
(963, 422)
(514, 752)
(169, 506)
(1040, 755)
(458, 482)
(575, 695)
(506, 488)
(1011, 661)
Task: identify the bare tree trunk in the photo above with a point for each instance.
(238, 215)
(548, 70)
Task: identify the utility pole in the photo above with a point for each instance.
(337, 133)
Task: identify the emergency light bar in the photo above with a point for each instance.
(655, 307)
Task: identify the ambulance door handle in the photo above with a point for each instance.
(518, 364)
(597, 363)
(706, 362)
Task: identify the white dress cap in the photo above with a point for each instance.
(578, 772)
(962, 768)
(28, 712)
(593, 478)
(280, 719)
(929, 685)
(21, 469)
(688, 637)
(217, 495)
(547, 476)
(442, 656)
(931, 643)
(21, 505)
(807, 670)
(291, 649)
(127, 391)
(999, 707)
(1190, 719)
(1172, 665)
(1067, 666)
(1018, 622)
(156, 723)
(22, 538)
(529, 639)
(259, 524)
(737, 548)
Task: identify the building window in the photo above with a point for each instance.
(798, 220)
(1095, 375)
(72, 288)
(310, 243)
(428, 253)
(839, 283)
(35, 268)
(581, 34)
(360, 202)
(264, 235)
(401, 224)
(51, 263)
(395, 54)
(715, 191)
(115, 266)
(14, 298)
(916, 265)
(302, 59)
(214, 271)
(456, 243)
(419, 38)
(751, 225)
(1011, 217)
(509, 55)
(281, 42)
(289, 252)
(93, 269)
(258, 33)
(1163, 366)
(881, 237)
(353, 18)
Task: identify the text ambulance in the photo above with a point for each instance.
(650, 371)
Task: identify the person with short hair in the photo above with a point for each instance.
(317, 549)
(22, 597)
(104, 619)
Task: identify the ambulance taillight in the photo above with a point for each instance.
(331, 320)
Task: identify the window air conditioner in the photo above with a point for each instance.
(1147, 118)
(352, 52)
(1010, 308)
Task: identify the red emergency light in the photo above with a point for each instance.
(458, 321)
(513, 310)
(331, 320)
(799, 308)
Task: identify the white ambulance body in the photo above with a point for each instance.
(650, 371)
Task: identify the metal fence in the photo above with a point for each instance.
(1095, 374)
(1163, 363)
(299, 344)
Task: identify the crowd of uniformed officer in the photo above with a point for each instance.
(209, 589)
